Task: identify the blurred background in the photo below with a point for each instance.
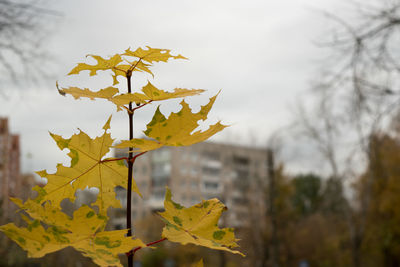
(309, 167)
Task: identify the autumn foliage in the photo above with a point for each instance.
(49, 229)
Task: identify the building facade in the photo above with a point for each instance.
(236, 175)
(10, 179)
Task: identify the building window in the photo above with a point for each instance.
(161, 155)
(160, 182)
(241, 161)
(211, 171)
(212, 186)
(211, 155)
(242, 174)
(161, 169)
(240, 201)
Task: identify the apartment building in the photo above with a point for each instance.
(234, 174)
(10, 180)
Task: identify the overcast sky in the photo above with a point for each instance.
(259, 52)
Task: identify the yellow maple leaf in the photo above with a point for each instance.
(84, 232)
(114, 63)
(151, 55)
(150, 93)
(176, 130)
(41, 212)
(123, 99)
(197, 224)
(106, 93)
(155, 94)
(102, 64)
(87, 169)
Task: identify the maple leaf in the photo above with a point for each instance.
(41, 212)
(87, 169)
(197, 224)
(150, 93)
(106, 93)
(113, 63)
(102, 64)
(83, 232)
(152, 54)
(176, 130)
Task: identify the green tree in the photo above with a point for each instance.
(307, 194)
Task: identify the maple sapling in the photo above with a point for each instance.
(85, 230)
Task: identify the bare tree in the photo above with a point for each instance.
(24, 25)
(356, 95)
(322, 126)
(364, 63)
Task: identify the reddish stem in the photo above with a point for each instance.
(136, 156)
(132, 68)
(142, 105)
(133, 251)
(125, 158)
(116, 159)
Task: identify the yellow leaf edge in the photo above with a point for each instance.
(168, 198)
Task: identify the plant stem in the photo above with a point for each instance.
(130, 170)
(125, 158)
(143, 105)
(132, 252)
(116, 159)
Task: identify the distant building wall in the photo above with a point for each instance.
(10, 179)
(236, 175)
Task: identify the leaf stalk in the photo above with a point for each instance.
(133, 251)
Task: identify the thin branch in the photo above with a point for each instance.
(23, 29)
(114, 159)
(142, 105)
(133, 251)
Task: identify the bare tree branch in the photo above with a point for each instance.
(357, 95)
(23, 30)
